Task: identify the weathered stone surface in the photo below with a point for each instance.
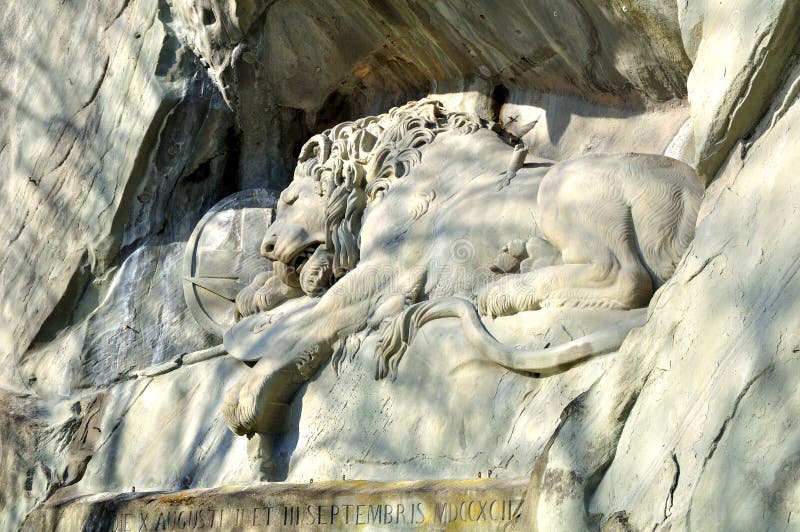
(303, 67)
(125, 121)
(740, 49)
(720, 410)
(466, 505)
(313, 51)
(166, 432)
(448, 413)
(141, 320)
(108, 118)
(45, 446)
(22, 478)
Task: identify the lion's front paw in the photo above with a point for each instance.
(239, 408)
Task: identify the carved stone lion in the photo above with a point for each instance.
(388, 211)
(614, 227)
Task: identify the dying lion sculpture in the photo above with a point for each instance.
(395, 220)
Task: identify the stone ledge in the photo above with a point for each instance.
(478, 504)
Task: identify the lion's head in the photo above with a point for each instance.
(315, 237)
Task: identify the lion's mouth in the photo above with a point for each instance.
(289, 270)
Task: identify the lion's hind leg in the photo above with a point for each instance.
(592, 276)
(575, 285)
(620, 286)
(596, 277)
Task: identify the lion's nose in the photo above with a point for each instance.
(268, 246)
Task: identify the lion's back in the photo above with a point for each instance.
(662, 196)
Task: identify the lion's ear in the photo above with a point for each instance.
(318, 146)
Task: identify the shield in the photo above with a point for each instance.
(223, 255)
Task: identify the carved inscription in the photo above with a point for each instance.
(402, 514)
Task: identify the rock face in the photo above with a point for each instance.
(126, 121)
(95, 155)
(294, 68)
(731, 440)
(676, 431)
(730, 92)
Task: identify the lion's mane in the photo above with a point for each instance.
(358, 161)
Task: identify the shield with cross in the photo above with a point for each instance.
(223, 255)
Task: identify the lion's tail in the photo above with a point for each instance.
(401, 330)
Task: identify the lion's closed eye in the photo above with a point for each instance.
(289, 196)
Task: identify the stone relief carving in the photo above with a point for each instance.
(317, 238)
(613, 227)
(396, 220)
(222, 254)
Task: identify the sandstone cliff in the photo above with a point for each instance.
(125, 121)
